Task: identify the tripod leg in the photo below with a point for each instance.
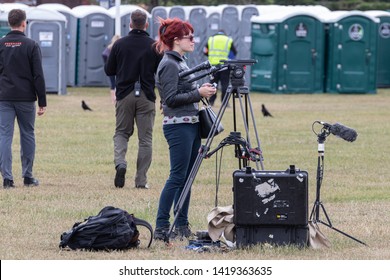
(198, 161)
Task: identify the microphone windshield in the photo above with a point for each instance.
(344, 132)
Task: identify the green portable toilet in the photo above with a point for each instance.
(383, 50)
(351, 52)
(289, 47)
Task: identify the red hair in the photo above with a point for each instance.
(170, 29)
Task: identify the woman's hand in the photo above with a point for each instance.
(207, 90)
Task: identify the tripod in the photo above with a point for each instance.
(318, 205)
(237, 89)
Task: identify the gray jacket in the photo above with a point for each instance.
(178, 96)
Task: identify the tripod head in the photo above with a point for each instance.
(236, 67)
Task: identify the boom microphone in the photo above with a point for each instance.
(342, 131)
(203, 66)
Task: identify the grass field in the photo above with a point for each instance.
(74, 163)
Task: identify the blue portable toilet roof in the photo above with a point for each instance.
(44, 14)
(126, 9)
(56, 7)
(6, 7)
(85, 10)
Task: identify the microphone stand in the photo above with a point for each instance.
(318, 205)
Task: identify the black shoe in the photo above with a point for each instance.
(30, 182)
(7, 184)
(161, 233)
(184, 231)
(120, 176)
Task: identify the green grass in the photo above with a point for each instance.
(74, 163)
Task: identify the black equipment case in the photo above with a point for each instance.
(271, 206)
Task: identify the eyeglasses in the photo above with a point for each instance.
(190, 37)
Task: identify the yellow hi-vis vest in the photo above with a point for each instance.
(219, 47)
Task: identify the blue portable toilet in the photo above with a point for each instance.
(47, 28)
(197, 16)
(125, 14)
(351, 52)
(178, 12)
(213, 20)
(289, 48)
(246, 12)
(95, 27)
(158, 11)
(70, 39)
(383, 51)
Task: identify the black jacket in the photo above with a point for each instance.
(179, 97)
(21, 74)
(133, 57)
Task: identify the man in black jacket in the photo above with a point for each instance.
(134, 61)
(21, 84)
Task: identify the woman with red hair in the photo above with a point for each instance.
(179, 100)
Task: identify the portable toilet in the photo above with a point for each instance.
(70, 39)
(4, 9)
(383, 53)
(289, 47)
(213, 20)
(47, 28)
(157, 12)
(244, 43)
(95, 30)
(197, 16)
(230, 22)
(351, 52)
(177, 12)
(125, 15)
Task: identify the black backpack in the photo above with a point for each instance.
(111, 229)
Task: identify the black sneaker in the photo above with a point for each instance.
(160, 233)
(184, 231)
(30, 182)
(7, 184)
(120, 176)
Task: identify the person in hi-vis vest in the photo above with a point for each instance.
(220, 47)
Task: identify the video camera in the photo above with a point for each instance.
(236, 66)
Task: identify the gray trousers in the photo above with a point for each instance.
(142, 112)
(24, 113)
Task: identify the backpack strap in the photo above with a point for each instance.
(140, 222)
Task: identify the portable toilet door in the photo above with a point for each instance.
(157, 12)
(230, 22)
(245, 39)
(70, 39)
(264, 50)
(213, 20)
(47, 28)
(125, 12)
(178, 12)
(352, 47)
(383, 53)
(95, 31)
(301, 53)
(197, 16)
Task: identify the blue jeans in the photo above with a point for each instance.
(184, 142)
(24, 112)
